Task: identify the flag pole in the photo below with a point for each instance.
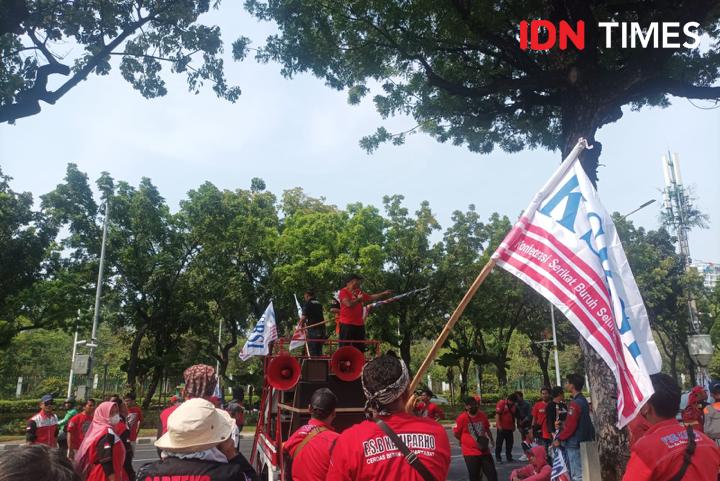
(432, 354)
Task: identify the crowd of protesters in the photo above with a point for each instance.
(199, 440)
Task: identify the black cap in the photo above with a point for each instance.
(715, 388)
(353, 276)
(47, 399)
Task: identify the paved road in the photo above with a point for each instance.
(146, 453)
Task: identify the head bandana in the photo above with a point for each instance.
(200, 381)
(376, 401)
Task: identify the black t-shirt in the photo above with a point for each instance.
(237, 469)
(313, 311)
(554, 411)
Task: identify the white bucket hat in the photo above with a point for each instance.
(195, 426)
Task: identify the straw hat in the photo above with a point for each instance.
(195, 426)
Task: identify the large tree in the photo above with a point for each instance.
(665, 285)
(456, 67)
(230, 276)
(34, 34)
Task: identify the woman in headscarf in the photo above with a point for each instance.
(693, 415)
(102, 454)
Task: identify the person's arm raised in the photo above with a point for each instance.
(380, 295)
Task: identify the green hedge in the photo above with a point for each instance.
(18, 405)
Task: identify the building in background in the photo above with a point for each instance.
(710, 272)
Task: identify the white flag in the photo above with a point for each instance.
(259, 339)
(298, 337)
(565, 247)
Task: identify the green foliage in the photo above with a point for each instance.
(26, 237)
(665, 286)
(19, 405)
(172, 279)
(458, 70)
(39, 357)
(145, 36)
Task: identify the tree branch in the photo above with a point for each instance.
(29, 101)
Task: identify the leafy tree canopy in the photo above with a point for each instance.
(34, 38)
(457, 68)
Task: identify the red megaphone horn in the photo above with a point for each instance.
(347, 363)
(283, 372)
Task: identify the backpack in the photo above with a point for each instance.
(712, 422)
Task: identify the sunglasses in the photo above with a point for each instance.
(48, 403)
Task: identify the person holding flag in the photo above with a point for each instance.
(352, 323)
(565, 246)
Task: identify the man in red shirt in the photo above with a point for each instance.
(309, 447)
(659, 455)
(428, 409)
(134, 418)
(539, 419)
(364, 452)
(42, 428)
(78, 426)
(472, 429)
(352, 324)
(505, 425)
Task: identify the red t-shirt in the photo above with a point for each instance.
(658, 455)
(637, 427)
(352, 315)
(506, 411)
(364, 452)
(134, 418)
(311, 463)
(467, 428)
(539, 418)
(430, 411)
(165, 414)
(77, 427)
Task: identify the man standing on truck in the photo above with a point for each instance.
(312, 315)
(309, 447)
(352, 324)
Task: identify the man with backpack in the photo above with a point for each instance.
(309, 447)
(712, 415)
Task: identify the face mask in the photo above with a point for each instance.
(115, 419)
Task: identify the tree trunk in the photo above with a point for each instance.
(543, 357)
(133, 359)
(501, 373)
(157, 374)
(612, 442)
(580, 119)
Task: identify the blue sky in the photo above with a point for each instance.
(300, 133)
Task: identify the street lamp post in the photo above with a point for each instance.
(557, 361)
(98, 292)
(639, 208)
